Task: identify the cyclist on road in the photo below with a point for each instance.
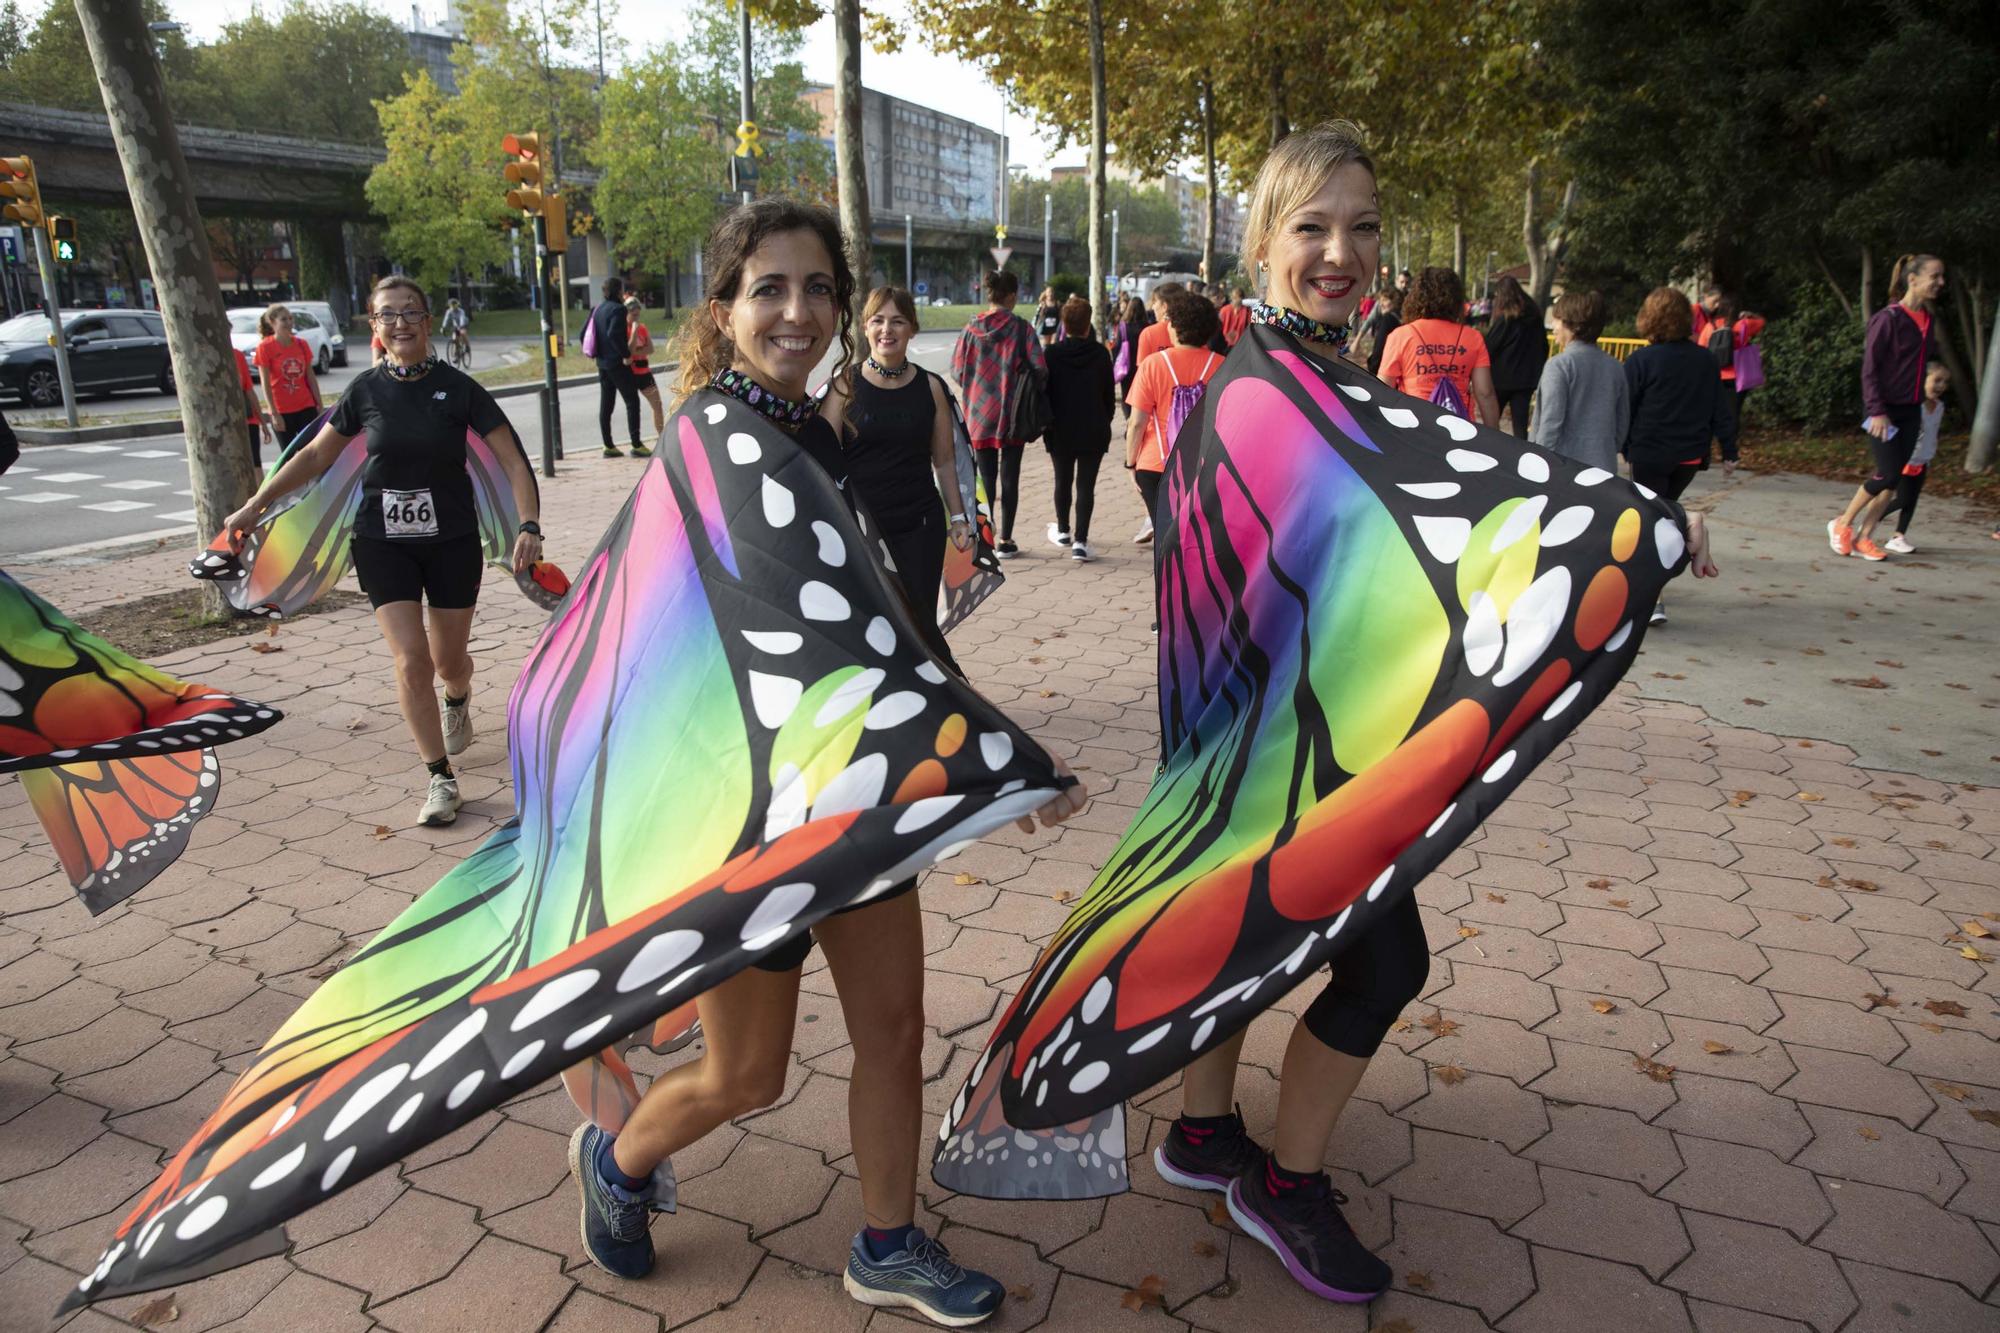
(453, 323)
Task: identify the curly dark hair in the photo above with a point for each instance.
(701, 347)
(1193, 318)
(1435, 293)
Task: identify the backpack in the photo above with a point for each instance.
(1445, 394)
(590, 337)
(1186, 401)
(1121, 365)
(1722, 346)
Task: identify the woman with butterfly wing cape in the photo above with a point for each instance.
(116, 757)
(730, 731)
(1375, 619)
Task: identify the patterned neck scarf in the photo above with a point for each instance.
(1298, 325)
(416, 372)
(761, 400)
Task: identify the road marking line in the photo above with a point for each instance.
(64, 478)
(90, 448)
(152, 453)
(116, 506)
(42, 497)
(133, 485)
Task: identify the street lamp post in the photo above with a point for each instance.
(1114, 250)
(909, 253)
(749, 108)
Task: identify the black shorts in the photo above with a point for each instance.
(445, 574)
(792, 953)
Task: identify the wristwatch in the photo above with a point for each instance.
(532, 528)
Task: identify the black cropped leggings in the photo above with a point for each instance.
(1000, 469)
(1377, 976)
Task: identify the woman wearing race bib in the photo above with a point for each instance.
(416, 536)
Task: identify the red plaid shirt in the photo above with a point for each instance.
(991, 356)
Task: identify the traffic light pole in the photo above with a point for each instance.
(51, 302)
(551, 407)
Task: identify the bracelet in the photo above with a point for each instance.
(956, 518)
(531, 528)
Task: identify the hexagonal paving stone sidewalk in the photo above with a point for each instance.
(1730, 1059)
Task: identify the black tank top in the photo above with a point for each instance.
(888, 449)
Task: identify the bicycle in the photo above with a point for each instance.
(461, 350)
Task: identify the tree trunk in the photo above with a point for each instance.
(1097, 137)
(1867, 284)
(850, 162)
(1458, 247)
(162, 197)
(1281, 123)
(1208, 273)
(1833, 284)
(1986, 421)
(1545, 247)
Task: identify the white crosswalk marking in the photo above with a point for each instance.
(185, 516)
(133, 485)
(66, 478)
(42, 497)
(152, 453)
(90, 448)
(116, 506)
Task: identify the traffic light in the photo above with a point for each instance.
(62, 238)
(524, 174)
(557, 214)
(21, 190)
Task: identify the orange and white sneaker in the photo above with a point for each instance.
(1840, 537)
(1868, 550)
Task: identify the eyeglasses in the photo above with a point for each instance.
(390, 318)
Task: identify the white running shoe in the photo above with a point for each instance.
(1145, 534)
(1057, 537)
(441, 806)
(1659, 616)
(1900, 545)
(457, 727)
(1081, 553)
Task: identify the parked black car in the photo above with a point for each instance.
(108, 349)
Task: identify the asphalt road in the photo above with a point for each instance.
(486, 353)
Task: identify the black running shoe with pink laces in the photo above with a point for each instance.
(1206, 1157)
(1302, 1225)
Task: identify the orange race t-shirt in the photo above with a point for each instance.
(1153, 393)
(285, 370)
(249, 388)
(1155, 337)
(1235, 319)
(1416, 356)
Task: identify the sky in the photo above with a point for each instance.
(913, 74)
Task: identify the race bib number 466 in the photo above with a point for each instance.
(408, 514)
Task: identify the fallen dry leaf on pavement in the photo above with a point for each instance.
(1600, 884)
(1467, 932)
(1862, 682)
(383, 831)
(1969, 952)
(1439, 1024)
(1845, 842)
(259, 646)
(962, 878)
(1945, 1008)
(1986, 1117)
(1619, 902)
(1449, 1075)
(1754, 703)
(163, 1310)
(1653, 1069)
(1205, 1249)
(1810, 796)
(1863, 885)
(1218, 1213)
(1496, 897)
(1150, 1291)
(1825, 881)
(1604, 1006)
(1020, 1293)
(1951, 1090)
(1977, 931)
(1869, 1132)
(1065, 897)
(1876, 1001)
(1718, 1048)
(1417, 1281)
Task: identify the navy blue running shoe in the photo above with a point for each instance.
(922, 1278)
(615, 1220)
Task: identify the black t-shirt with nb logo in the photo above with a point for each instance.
(415, 486)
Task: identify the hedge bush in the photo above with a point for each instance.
(1812, 364)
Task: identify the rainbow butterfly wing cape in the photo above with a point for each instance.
(1375, 619)
(295, 555)
(730, 729)
(115, 756)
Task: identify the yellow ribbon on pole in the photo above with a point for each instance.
(747, 140)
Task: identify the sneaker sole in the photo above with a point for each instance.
(437, 821)
(583, 1205)
(1187, 1180)
(1256, 1231)
(889, 1300)
(1832, 544)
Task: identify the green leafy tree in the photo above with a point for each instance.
(439, 186)
(661, 169)
(797, 160)
(52, 65)
(13, 33)
(314, 70)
